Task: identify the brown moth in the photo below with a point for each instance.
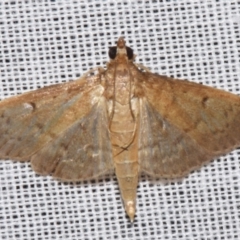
(123, 119)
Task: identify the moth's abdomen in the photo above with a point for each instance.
(123, 132)
(126, 169)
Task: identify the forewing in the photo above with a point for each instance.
(184, 124)
(30, 122)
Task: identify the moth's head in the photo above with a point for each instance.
(121, 50)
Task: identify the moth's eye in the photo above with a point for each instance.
(112, 53)
(129, 53)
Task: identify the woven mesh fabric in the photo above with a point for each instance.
(43, 42)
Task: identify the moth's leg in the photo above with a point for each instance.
(93, 71)
(142, 67)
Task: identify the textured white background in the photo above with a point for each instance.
(43, 42)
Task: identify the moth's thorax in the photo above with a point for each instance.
(118, 81)
(119, 86)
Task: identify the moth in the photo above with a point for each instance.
(122, 118)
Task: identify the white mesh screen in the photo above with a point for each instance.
(43, 42)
